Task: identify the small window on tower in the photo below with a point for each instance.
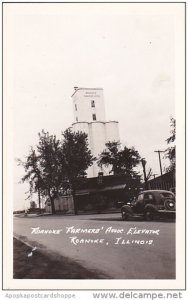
(92, 103)
(94, 117)
(75, 106)
(76, 119)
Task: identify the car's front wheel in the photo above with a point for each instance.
(124, 215)
(148, 215)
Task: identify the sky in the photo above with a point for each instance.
(127, 50)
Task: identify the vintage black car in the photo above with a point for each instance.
(151, 204)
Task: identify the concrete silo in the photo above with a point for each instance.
(89, 117)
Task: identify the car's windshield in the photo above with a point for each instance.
(133, 200)
(141, 197)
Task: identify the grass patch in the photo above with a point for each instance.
(41, 266)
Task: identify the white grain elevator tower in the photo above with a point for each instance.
(89, 117)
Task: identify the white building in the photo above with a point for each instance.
(89, 117)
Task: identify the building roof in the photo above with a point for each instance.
(77, 88)
(99, 190)
(95, 122)
(107, 181)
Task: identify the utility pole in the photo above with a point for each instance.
(159, 153)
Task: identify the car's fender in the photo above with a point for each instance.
(127, 208)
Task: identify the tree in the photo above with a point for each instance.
(122, 161)
(44, 170)
(76, 159)
(58, 164)
(146, 176)
(171, 150)
(33, 174)
(51, 166)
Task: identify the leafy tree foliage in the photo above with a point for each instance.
(58, 164)
(33, 174)
(122, 161)
(51, 167)
(77, 158)
(43, 169)
(171, 150)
